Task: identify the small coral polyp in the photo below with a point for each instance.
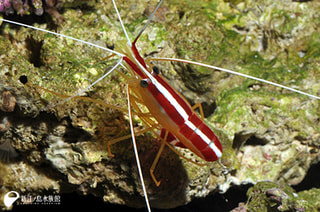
(21, 7)
(29, 7)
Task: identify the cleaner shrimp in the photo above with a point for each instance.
(82, 79)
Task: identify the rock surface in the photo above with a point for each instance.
(267, 133)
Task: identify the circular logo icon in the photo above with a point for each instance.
(10, 198)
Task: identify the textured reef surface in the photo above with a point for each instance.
(37, 7)
(270, 136)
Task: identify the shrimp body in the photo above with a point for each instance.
(171, 110)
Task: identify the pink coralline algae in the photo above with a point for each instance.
(22, 7)
(28, 7)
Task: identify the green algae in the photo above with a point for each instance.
(267, 195)
(309, 196)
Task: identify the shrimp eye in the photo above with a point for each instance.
(144, 83)
(156, 69)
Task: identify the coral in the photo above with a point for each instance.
(37, 7)
(7, 102)
(5, 124)
(309, 196)
(267, 195)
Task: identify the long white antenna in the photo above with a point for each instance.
(123, 28)
(61, 35)
(150, 18)
(237, 73)
(136, 152)
(131, 122)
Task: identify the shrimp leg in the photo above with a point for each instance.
(155, 162)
